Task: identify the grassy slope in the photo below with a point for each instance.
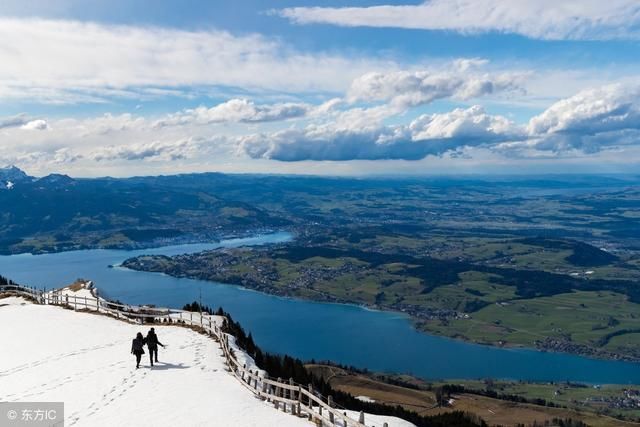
(493, 411)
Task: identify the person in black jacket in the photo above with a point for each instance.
(152, 344)
(137, 348)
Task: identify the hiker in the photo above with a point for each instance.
(152, 344)
(137, 348)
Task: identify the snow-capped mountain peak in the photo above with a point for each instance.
(13, 174)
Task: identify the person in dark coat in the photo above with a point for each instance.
(152, 344)
(137, 348)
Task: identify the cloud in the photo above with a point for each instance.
(464, 124)
(458, 80)
(23, 121)
(538, 19)
(593, 120)
(590, 120)
(242, 110)
(238, 111)
(38, 124)
(601, 120)
(14, 121)
(413, 88)
(59, 61)
(430, 134)
(607, 108)
(154, 150)
(96, 141)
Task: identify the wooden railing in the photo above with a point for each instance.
(288, 396)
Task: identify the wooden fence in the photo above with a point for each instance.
(288, 396)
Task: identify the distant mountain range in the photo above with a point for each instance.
(12, 176)
(57, 212)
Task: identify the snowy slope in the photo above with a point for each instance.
(84, 360)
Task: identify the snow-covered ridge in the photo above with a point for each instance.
(85, 363)
(12, 177)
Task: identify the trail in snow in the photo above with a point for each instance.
(55, 355)
(84, 360)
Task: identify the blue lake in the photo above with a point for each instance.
(347, 334)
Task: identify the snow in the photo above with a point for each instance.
(365, 399)
(84, 360)
(379, 420)
(13, 301)
(243, 358)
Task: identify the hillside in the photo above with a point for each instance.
(57, 213)
(84, 360)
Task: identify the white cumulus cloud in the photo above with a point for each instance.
(590, 120)
(432, 134)
(238, 111)
(154, 150)
(38, 124)
(413, 88)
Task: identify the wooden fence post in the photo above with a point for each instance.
(330, 403)
(276, 394)
(292, 396)
(310, 402)
(279, 392)
(279, 389)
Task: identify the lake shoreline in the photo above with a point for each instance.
(349, 334)
(186, 239)
(330, 299)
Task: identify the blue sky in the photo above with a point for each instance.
(331, 87)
